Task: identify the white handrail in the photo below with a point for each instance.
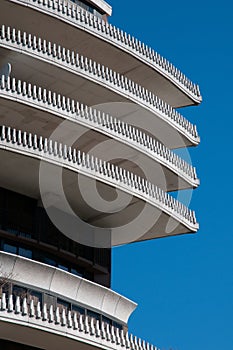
(83, 325)
(76, 15)
(102, 170)
(55, 54)
(103, 122)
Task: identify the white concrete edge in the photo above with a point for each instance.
(196, 97)
(75, 289)
(131, 184)
(187, 129)
(161, 159)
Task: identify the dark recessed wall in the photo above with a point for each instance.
(26, 230)
(8, 345)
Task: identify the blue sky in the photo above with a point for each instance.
(184, 285)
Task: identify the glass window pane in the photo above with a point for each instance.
(117, 325)
(49, 261)
(62, 267)
(93, 314)
(10, 248)
(106, 320)
(19, 291)
(77, 273)
(62, 304)
(35, 296)
(49, 300)
(27, 253)
(78, 309)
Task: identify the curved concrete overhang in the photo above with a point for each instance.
(92, 83)
(163, 215)
(87, 294)
(22, 108)
(103, 43)
(48, 335)
(48, 328)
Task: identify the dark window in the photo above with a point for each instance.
(20, 292)
(106, 320)
(62, 267)
(93, 314)
(27, 253)
(49, 261)
(62, 304)
(35, 296)
(75, 272)
(117, 325)
(25, 227)
(49, 300)
(78, 309)
(10, 248)
(5, 287)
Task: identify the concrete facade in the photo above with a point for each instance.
(85, 101)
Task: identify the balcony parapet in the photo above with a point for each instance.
(78, 17)
(20, 311)
(82, 66)
(80, 327)
(74, 289)
(57, 153)
(104, 123)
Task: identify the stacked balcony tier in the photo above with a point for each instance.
(28, 150)
(36, 319)
(92, 82)
(54, 85)
(40, 111)
(83, 100)
(106, 44)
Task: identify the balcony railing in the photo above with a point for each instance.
(102, 122)
(52, 151)
(73, 324)
(75, 15)
(91, 70)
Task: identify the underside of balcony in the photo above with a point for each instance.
(50, 23)
(101, 195)
(122, 151)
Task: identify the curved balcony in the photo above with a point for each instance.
(92, 82)
(106, 44)
(16, 147)
(61, 284)
(57, 326)
(35, 326)
(44, 106)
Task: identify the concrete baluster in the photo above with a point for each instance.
(10, 306)
(32, 309)
(81, 323)
(51, 314)
(75, 321)
(69, 320)
(97, 329)
(50, 148)
(63, 317)
(24, 307)
(17, 305)
(14, 137)
(57, 318)
(8, 137)
(3, 302)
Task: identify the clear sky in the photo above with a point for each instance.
(184, 285)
